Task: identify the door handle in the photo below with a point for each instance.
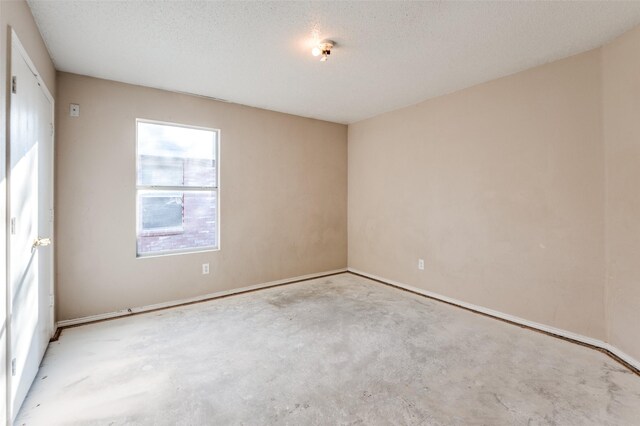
(41, 242)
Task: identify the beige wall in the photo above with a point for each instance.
(14, 14)
(621, 96)
(283, 198)
(499, 188)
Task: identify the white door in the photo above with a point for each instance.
(31, 215)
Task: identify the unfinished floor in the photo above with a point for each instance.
(336, 350)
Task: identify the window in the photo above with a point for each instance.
(177, 188)
(161, 213)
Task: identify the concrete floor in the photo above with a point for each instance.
(337, 350)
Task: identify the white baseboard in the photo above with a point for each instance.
(130, 311)
(542, 327)
(623, 356)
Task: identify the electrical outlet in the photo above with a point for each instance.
(205, 268)
(421, 264)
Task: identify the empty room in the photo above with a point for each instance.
(320, 213)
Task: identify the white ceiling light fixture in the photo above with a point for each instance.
(323, 49)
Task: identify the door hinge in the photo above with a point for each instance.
(13, 226)
(50, 300)
(51, 128)
(14, 84)
(13, 367)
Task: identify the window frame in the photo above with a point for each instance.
(205, 189)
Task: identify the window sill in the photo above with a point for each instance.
(176, 252)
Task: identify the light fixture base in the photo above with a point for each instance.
(323, 49)
(327, 44)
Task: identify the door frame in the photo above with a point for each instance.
(16, 44)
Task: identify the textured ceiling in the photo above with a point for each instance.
(389, 54)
